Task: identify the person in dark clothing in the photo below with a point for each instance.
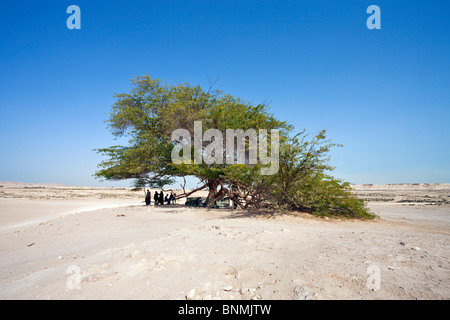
(161, 198)
(147, 198)
(156, 198)
(171, 198)
(166, 199)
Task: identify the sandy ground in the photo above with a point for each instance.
(89, 243)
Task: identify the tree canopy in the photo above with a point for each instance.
(153, 111)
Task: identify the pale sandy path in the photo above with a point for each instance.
(423, 216)
(20, 212)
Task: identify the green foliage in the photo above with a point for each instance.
(152, 110)
(301, 183)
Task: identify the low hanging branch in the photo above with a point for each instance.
(187, 194)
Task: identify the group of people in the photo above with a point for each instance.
(160, 199)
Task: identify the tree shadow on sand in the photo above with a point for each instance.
(262, 213)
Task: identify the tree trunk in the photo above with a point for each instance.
(216, 194)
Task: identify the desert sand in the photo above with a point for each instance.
(60, 242)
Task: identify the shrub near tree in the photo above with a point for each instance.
(153, 110)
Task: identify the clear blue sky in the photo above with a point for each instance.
(384, 94)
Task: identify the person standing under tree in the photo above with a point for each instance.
(156, 198)
(161, 198)
(147, 198)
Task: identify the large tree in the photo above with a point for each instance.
(153, 110)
